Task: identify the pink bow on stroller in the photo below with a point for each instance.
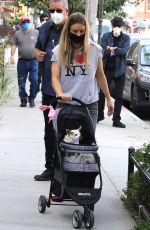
(52, 111)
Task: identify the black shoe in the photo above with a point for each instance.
(118, 124)
(31, 102)
(45, 176)
(23, 104)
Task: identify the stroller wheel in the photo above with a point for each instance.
(42, 204)
(88, 219)
(77, 219)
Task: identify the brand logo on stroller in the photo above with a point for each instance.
(84, 194)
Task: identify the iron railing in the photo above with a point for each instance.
(145, 175)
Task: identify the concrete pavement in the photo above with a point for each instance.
(22, 156)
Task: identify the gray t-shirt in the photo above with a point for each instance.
(77, 80)
(26, 43)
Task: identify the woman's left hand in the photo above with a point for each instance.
(110, 106)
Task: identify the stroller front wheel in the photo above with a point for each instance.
(77, 219)
(88, 218)
(42, 204)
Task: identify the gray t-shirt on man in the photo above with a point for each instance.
(26, 43)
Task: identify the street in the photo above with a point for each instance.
(143, 115)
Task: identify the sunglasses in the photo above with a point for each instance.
(27, 21)
(116, 26)
(57, 10)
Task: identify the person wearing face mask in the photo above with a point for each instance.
(49, 34)
(115, 46)
(44, 17)
(77, 67)
(27, 66)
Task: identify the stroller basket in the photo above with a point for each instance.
(79, 158)
(80, 167)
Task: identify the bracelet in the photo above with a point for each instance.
(108, 48)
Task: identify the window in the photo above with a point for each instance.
(145, 55)
(135, 55)
(131, 50)
(148, 5)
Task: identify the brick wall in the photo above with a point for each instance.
(6, 31)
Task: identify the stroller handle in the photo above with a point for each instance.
(73, 99)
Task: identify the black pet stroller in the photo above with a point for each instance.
(75, 166)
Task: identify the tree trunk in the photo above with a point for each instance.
(91, 13)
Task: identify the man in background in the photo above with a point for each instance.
(115, 46)
(44, 18)
(49, 34)
(27, 66)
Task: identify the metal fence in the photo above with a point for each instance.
(132, 163)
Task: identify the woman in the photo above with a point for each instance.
(77, 68)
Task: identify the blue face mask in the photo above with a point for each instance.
(26, 25)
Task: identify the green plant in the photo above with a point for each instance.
(142, 225)
(142, 155)
(6, 91)
(137, 186)
(6, 88)
(138, 189)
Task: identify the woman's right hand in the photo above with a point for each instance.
(110, 106)
(65, 96)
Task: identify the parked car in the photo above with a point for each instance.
(136, 37)
(137, 81)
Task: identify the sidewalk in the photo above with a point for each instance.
(22, 156)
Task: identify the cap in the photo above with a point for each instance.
(24, 18)
(117, 21)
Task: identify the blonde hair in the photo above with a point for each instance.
(66, 53)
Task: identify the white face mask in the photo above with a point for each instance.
(57, 18)
(116, 31)
(43, 22)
